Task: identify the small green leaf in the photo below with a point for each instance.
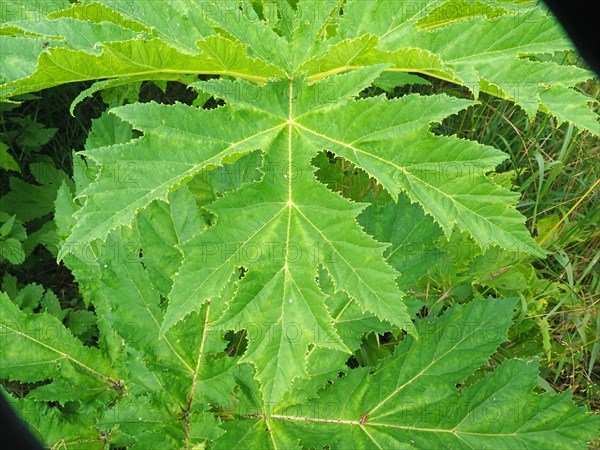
(7, 162)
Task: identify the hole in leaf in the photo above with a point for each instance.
(342, 176)
(423, 312)
(237, 342)
(352, 362)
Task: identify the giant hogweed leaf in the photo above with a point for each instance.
(285, 225)
(481, 54)
(444, 174)
(70, 431)
(130, 304)
(37, 347)
(287, 216)
(217, 256)
(164, 378)
(282, 219)
(180, 378)
(184, 377)
(170, 380)
(411, 400)
(140, 59)
(467, 52)
(179, 142)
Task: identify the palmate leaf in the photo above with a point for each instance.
(431, 37)
(134, 388)
(411, 400)
(170, 381)
(484, 55)
(286, 224)
(290, 224)
(40, 348)
(173, 379)
(131, 388)
(277, 256)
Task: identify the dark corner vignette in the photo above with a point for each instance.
(13, 432)
(581, 26)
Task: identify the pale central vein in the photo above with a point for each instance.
(196, 371)
(409, 176)
(422, 371)
(62, 354)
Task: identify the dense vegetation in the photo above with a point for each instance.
(298, 224)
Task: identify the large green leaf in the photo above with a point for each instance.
(482, 54)
(39, 347)
(416, 399)
(287, 223)
(174, 260)
(482, 46)
(171, 380)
